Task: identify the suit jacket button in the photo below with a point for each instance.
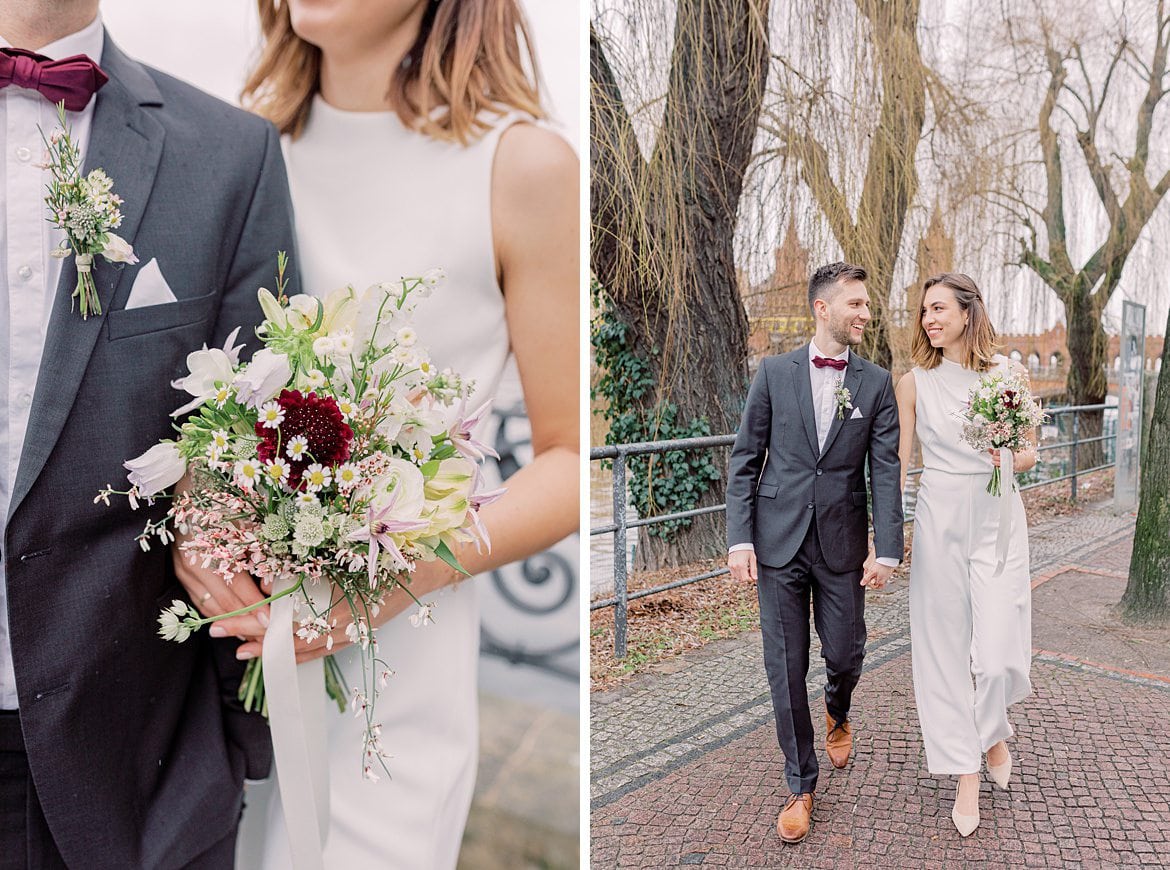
(810, 505)
(820, 471)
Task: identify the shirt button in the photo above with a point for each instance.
(26, 400)
(25, 272)
(23, 154)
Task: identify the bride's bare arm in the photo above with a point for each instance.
(906, 393)
(536, 226)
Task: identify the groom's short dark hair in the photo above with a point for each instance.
(826, 276)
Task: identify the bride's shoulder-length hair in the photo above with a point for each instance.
(979, 338)
(472, 58)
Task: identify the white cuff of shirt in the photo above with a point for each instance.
(881, 560)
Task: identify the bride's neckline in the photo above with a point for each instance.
(322, 107)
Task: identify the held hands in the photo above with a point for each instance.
(742, 564)
(873, 574)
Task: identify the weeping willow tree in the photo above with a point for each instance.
(818, 131)
(671, 325)
(1098, 118)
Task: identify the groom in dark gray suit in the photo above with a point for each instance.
(117, 749)
(797, 521)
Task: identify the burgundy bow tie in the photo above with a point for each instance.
(820, 362)
(72, 79)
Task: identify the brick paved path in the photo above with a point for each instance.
(685, 768)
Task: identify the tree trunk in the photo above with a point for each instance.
(663, 230)
(1088, 382)
(1145, 596)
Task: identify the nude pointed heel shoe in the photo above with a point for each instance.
(1001, 773)
(965, 824)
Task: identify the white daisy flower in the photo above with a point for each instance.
(347, 407)
(406, 336)
(316, 477)
(271, 415)
(222, 396)
(315, 379)
(343, 343)
(246, 473)
(277, 471)
(307, 499)
(297, 447)
(347, 476)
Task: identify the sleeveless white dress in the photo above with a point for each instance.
(970, 631)
(375, 201)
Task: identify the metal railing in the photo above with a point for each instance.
(619, 453)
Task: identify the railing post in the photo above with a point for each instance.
(619, 555)
(1076, 415)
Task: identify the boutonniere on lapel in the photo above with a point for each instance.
(843, 397)
(87, 209)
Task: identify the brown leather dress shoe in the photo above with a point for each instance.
(796, 817)
(838, 740)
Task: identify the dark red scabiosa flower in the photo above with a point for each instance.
(318, 419)
(1010, 399)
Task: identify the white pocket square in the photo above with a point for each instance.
(856, 414)
(150, 287)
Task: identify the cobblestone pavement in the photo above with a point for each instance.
(685, 768)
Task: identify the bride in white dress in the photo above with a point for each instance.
(410, 144)
(970, 629)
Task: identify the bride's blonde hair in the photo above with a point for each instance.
(469, 58)
(979, 340)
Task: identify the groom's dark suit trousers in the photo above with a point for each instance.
(25, 840)
(838, 602)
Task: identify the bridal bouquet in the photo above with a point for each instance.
(1000, 413)
(339, 457)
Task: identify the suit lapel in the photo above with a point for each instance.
(853, 385)
(127, 142)
(802, 383)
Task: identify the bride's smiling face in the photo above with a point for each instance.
(943, 318)
(353, 25)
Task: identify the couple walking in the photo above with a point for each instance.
(797, 523)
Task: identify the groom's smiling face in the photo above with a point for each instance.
(847, 310)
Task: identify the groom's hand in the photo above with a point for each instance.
(742, 564)
(876, 575)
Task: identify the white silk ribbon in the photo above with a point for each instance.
(296, 718)
(1007, 485)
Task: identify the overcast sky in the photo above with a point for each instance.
(212, 43)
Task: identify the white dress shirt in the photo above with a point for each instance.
(28, 275)
(824, 383)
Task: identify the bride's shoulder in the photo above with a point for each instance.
(533, 162)
(531, 154)
(906, 386)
